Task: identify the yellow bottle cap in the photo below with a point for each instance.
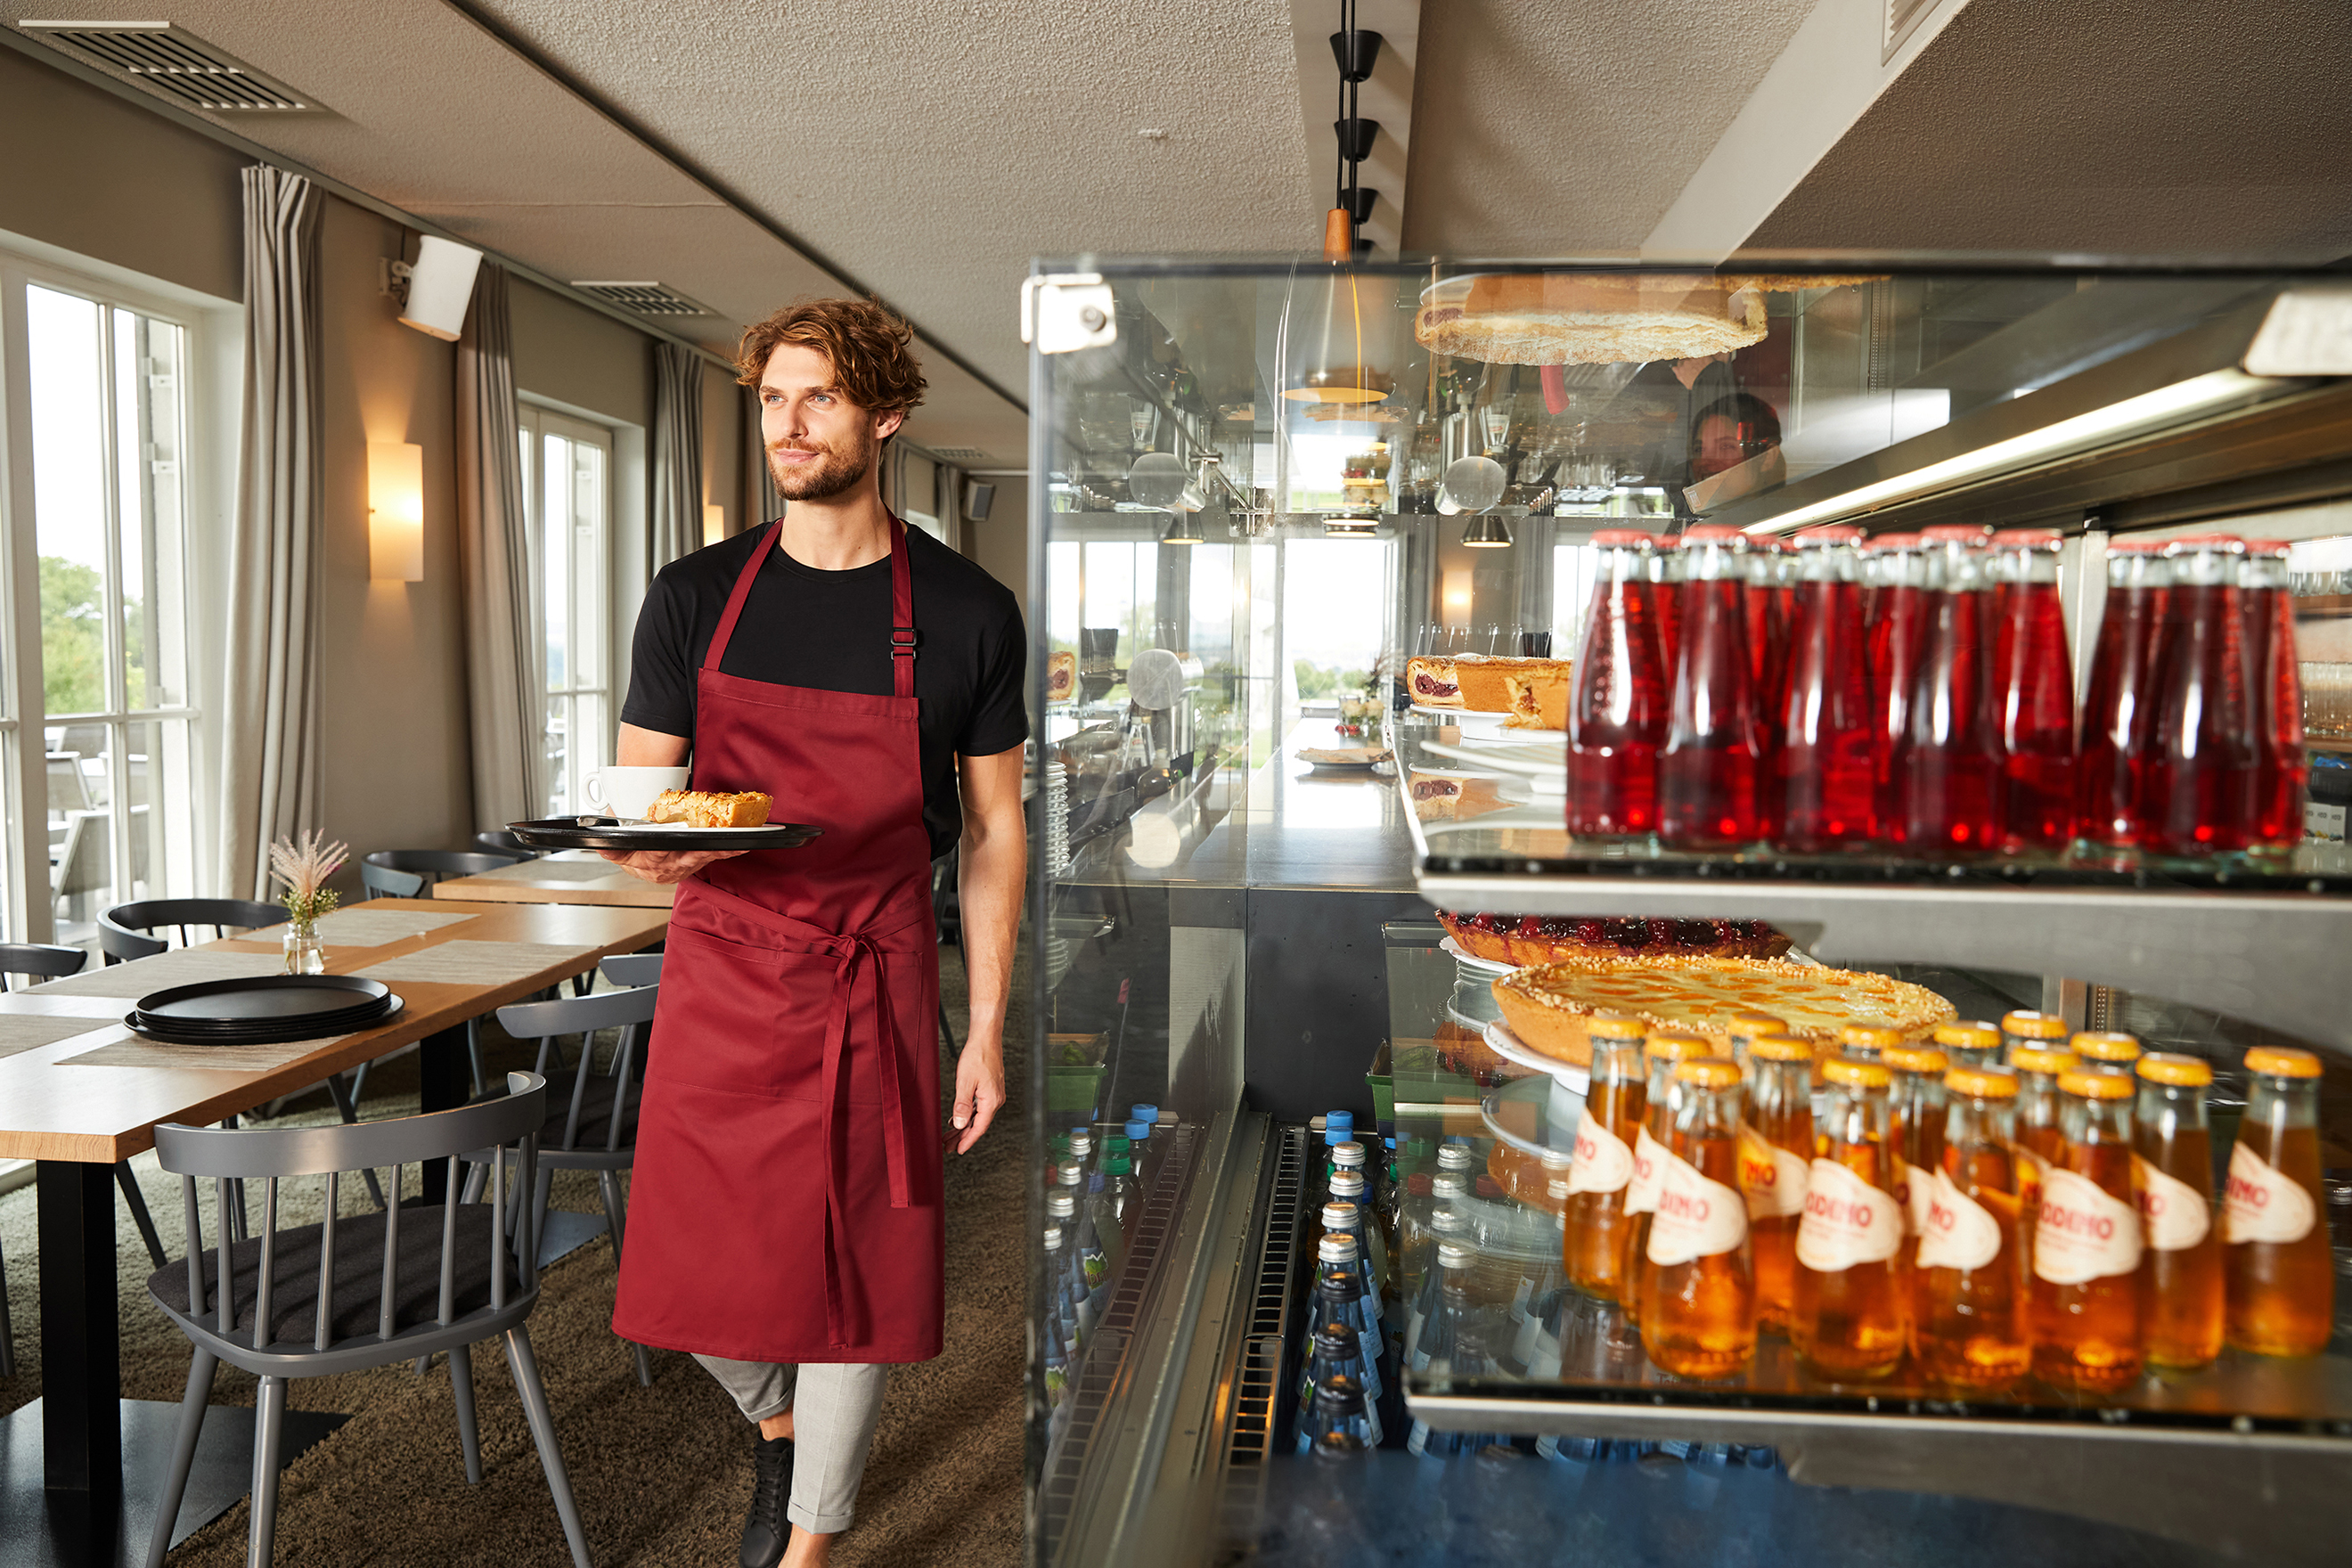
(1667, 1046)
(1709, 1072)
(2042, 1059)
(1749, 1025)
(1876, 1036)
(2106, 1047)
(2028, 1024)
(2095, 1085)
(1856, 1075)
(1780, 1048)
(1981, 1083)
(1914, 1058)
(2182, 1072)
(1967, 1037)
(2282, 1061)
(1612, 1027)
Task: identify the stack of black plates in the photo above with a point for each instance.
(264, 1011)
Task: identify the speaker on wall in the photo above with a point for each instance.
(439, 285)
(979, 496)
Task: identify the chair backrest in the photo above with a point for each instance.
(386, 883)
(81, 867)
(434, 864)
(633, 968)
(38, 958)
(500, 841)
(124, 931)
(488, 1130)
(628, 1011)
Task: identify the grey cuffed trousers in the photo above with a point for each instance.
(834, 1406)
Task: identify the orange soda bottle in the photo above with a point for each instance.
(1969, 1044)
(1744, 1029)
(2087, 1243)
(2026, 1027)
(2106, 1051)
(1776, 1152)
(2180, 1266)
(1698, 1290)
(1662, 1052)
(1915, 1133)
(1592, 1244)
(1549, 1191)
(2282, 1281)
(1846, 1316)
(2040, 1139)
(1968, 1291)
(1866, 1042)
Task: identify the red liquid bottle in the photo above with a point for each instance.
(2203, 755)
(1952, 762)
(2034, 694)
(1667, 596)
(1711, 774)
(1898, 562)
(2119, 709)
(1827, 724)
(2266, 607)
(1618, 697)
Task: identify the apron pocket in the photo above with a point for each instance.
(744, 1020)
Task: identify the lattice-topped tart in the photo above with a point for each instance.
(1551, 1005)
(1553, 938)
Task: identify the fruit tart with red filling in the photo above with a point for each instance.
(1524, 940)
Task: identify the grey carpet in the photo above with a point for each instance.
(663, 1474)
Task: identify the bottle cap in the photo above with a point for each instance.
(1060, 1147)
(1621, 538)
(1714, 533)
(2173, 1069)
(2272, 547)
(1914, 1058)
(2105, 1046)
(1069, 1173)
(2092, 1085)
(1338, 1126)
(1672, 1045)
(1871, 1037)
(2194, 543)
(1780, 1048)
(1143, 1114)
(1894, 541)
(1453, 1254)
(1856, 1074)
(1828, 533)
(1556, 1159)
(1349, 1153)
(2027, 1025)
(1077, 1133)
(1419, 1185)
(1336, 1249)
(1339, 1449)
(1116, 1144)
(1449, 1219)
(1449, 1185)
(1981, 1083)
(2282, 1061)
(1454, 1157)
(1749, 1025)
(1709, 1072)
(1347, 1184)
(1137, 1132)
(2048, 1060)
(1052, 1238)
(1337, 1340)
(1338, 1394)
(1117, 1165)
(1973, 1034)
(1338, 1215)
(1339, 1284)
(2130, 546)
(1060, 1206)
(2025, 539)
(1609, 1026)
(1952, 533)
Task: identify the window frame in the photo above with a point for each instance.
(536, 422)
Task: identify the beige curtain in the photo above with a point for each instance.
(271, 730)
(678, 452)
(761, 501)
(506, 689)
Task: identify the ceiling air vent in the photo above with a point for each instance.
(958, 454)
(173, 63)
(1900, 19)
(645, 299)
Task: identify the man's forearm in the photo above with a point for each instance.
(995, 869)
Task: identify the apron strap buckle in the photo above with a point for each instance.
(902, 642)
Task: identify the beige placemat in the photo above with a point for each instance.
(180, 966)
(556, 871)
(138, 1053)
(27, 1031)
(369, 928)
(473, 963)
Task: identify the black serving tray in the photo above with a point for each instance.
(612, 833)
(264, 1010)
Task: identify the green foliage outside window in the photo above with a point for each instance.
(73, 640)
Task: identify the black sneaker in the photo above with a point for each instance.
(765, 1529)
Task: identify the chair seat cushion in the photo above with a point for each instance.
(355, 1290)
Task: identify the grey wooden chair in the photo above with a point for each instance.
(358, 1292)
(128, 931)
(632, 969)
(410, 874)
(592, 1117)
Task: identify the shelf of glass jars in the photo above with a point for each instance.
(2265, 943)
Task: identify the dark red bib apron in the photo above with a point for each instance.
(786, 1205)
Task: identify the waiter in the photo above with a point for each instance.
(785, 1217)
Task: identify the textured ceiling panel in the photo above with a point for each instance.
(2100, 126)
(1560, 127)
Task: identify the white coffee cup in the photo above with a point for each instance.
(628, 793)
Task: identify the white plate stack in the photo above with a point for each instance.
(1058, 820)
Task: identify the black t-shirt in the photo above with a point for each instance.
(831, 631)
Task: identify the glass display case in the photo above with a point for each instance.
(1466, 690)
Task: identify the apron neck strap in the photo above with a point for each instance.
(902, 606)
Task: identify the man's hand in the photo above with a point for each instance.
(980, 1089)
(668, 865)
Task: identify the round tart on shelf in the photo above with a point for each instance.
(1551, 939)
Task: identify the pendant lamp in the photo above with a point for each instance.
(1486, 531)
(1185, 529)
(1349, 326)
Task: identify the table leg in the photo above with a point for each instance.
(443, 1081)
(81, 1371)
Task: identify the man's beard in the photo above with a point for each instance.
(830, 475)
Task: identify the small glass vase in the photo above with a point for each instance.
(305, 954)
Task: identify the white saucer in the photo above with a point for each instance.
(1469, 960)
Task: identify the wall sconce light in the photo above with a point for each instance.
(1454, 595)
(439, 285)
(714, 522)
(396, 512)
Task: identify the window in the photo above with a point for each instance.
(567, 467)
(104, 621)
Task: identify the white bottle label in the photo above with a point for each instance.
(2174, 1216)
(1847, 1221)
(1912, 1188)
(1698, 1215)
(1602, 1163)
(2080, 1232)
(1959, 1232)
(1649, 1165)
(1772, 1178)
(2262, 1202)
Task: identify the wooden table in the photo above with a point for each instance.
(78, 1120)
(578, 876)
